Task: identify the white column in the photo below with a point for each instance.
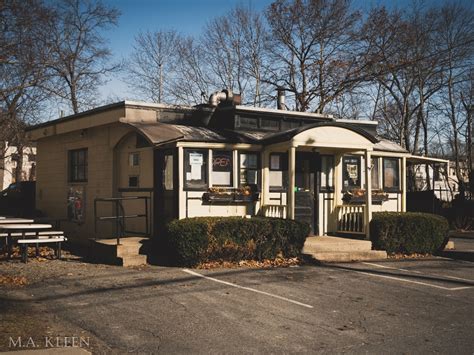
(291, 183)
(368, 193)
(404, 183)
(265, 177)
(181, 194)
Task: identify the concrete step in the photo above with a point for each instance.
(336, 249)
(335, 244)
(135, 260)
(349, 256)
(127, 253)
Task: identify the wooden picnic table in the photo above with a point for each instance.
(21, 229)
(15, 221)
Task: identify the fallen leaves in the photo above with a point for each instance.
(253, 264)
(399, 256)
(13, 280)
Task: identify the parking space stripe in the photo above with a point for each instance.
(413, 282)
(418, 272)
(247, 288)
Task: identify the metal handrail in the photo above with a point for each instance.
(120, 216)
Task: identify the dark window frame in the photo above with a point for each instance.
(187, 186)
(132, 177)
(344, 163)
(391, 189)
(259, 169)
(73, 156)
(231, 154)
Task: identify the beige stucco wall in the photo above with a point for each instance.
(52, 174)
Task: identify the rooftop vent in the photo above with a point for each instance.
(225, 96)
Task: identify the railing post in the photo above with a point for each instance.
(291, 185)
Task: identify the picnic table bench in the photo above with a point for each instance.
(31, 234)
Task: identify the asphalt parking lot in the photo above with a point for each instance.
(409, 306)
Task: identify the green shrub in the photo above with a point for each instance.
(194, 240)
(408, 232)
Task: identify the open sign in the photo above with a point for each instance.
(221, 161)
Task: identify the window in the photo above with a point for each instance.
(269, 124)
(222, 165)
(437, 175)
(248, 169)
(278, 171)
(133, 181)
(134, 159)
(195, 169)
(391, 181)
(248, 122)
(375, 174)
(168, 172)
(351, 172)
(327, 173)
(78, 165)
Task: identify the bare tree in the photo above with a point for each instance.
(312, 50)
(235, 44)
(24, 54)
(151, 67)
(80, 55)
(456, 38)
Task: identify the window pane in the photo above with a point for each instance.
(278, 171)
(248, 160)
(375, 174)
(195, 168)
(390, 174)
(351, 172)
(327, 172)
(78, 165)
(222, 165)
(133, 181)
(134, 159)
(168, 172)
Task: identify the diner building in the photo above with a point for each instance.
(215, 159)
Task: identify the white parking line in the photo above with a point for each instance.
(247, 288)
(414, 282)
(418, 272)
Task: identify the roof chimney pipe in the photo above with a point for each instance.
(223, 96)
(281, 99)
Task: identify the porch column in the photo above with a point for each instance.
(368, 192)
(404, 184)
(290, 208)
(265, 177)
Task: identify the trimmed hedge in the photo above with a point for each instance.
(194, 240)
(408, 232)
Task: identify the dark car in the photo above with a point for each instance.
(18, 200)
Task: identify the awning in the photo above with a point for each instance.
(415, 159)
(162, 133)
